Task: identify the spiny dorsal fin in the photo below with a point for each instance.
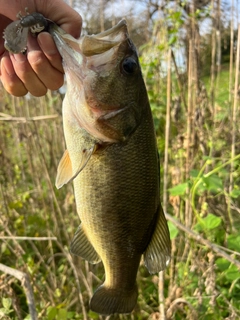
(80, 246)
(158, 252)
(65, 172)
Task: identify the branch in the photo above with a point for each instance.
(7, 117)
(25, 281)
(203, 241)
(28, 238)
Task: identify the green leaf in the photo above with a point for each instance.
(178, 190)
(2, 312)
(6, 302)
(233, 241)
(17, 204)
(194, 173)
(173, 230)
(62, 314)
(198, 227)
(213, 183)
(172, 40)
(70, 314)
(211, 221)
(232, 273)
(235, 193)
(222, 264)
(51, 313)
(3, 247)
(57, 293)
(92, 315)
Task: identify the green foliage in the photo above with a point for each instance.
(6, 310)
(179, 190)
(59, 314)
(173, 230)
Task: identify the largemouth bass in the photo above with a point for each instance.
(112, 159)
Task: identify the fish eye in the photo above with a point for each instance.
(129, 65)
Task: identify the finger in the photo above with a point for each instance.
(50, 50)
(50, 76)
(62, 14)
(26, 74)
(10, 80)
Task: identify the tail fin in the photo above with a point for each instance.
(108, 301)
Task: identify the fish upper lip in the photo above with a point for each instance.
(90, 45)
(91, 53)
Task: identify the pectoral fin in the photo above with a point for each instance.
(158, 252)
(82, 247)
(65, 172)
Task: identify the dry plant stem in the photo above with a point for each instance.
(161, 295)
(89, 277)
(189, 114)
(218, 40)
(234, 119)
(165, 178)
(180, 300)
(167, 131)
(28, 238)
(231, 79)
(203, 241)
(25, 281)
(172, 266)
(189, 126)
(7, 117)
(180, 86)
(212, 88)
(231, 54)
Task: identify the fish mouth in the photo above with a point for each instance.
(95, 51)
(97, 82)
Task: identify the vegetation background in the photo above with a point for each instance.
(189, 52)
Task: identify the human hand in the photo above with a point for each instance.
(41, 68)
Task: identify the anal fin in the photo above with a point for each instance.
(81, 246)
(65, 172)
(158, 252)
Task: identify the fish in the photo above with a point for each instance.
(112, 158)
